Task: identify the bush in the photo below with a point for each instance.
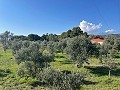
(26, 69)
(7, 71)
(60, 80)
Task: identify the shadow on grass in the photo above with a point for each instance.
(89, 82)
(64, 61)
(4, 73)
(101, 71)
(59, 56)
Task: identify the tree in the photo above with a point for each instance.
(62, 44)
(33, 56)
(51, 47)
(48, 57)
(103, 52)
(61, 81)
(79, 49)
(76, 31)
(53, 37)
(112, 46)
(63, 35)
(30, 53)
(117, 44)
(26, 44)
(43, 45)
(111, 65)
(116, 48)
(16, 46)
(45, 37)
(26, 69)
(20, 37)
(34, 37)
(5, 38)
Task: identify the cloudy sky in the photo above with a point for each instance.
(23, 17)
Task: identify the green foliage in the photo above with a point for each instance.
(50, 37)
(111, 64)
(28, 54)
(20, 37)
(60, 80)
(26, 69)
(117, 44)
(51, 47)
(114, 53)
(16, 45)
(96, 79)
(33, 37)
(79, 49)
(112, 46)
(5, 38)
(35, 56)
(43, 46)
(76, 31)
(31, 60)
(22, 80)
(48, 57)
(62, 44)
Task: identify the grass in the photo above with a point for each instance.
(97, 78)
(97, 75)
(8, 68)
(9, 80)
(62, 63)
(7, 61)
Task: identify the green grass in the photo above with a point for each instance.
(62, 63)
(8, 68)
(9, 80)
(7, 61)
(96, 79)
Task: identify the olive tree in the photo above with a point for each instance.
(115, 51)
(62, 44)
(59, 80)
(16, 46)
(5, 38)
(111, 64)
(33, 56)
(79, 49)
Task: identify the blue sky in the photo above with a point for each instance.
(23, 17)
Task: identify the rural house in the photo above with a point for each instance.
(98, 40)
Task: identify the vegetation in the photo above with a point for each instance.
(59, 62)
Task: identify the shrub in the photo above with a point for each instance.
(26, 69)
(60, 80)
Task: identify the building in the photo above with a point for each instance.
(98, 40)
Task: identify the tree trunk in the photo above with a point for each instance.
(62, 51)
(109, 73)
(83, 65)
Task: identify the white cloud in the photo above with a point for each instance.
(87, 27)
(109, 31)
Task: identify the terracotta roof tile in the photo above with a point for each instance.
(98, 40)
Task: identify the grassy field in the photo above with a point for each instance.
(97, 75)
(9, 80)
(96, 79)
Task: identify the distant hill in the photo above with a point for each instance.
(104, 36)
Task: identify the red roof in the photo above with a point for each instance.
(98, 40)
